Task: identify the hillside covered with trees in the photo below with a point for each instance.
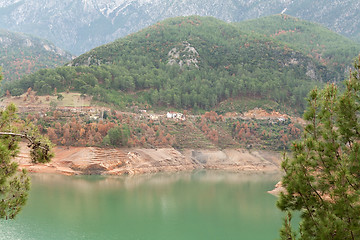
(23, 54)
(321, 44)
(191, 63)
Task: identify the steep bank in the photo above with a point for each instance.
(101, 161)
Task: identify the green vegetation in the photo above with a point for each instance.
(117, 136)
(322, 178)
(332, 50)
(24, 54)
(14, 186)
(219, 61)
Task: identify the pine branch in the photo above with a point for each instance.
(31, 139)
(35, 145)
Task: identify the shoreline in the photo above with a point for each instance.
(131, 161)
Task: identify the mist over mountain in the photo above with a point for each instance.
(80, 25)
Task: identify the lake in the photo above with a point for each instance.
(197, 205)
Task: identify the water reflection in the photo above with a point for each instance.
(148, 194)
(197, 205)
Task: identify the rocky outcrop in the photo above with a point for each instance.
(100, 161)
(184, 54)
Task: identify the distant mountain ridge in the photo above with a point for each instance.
(24, 54)
(80, 25)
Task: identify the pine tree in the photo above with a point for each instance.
(322, 179)
(14, 186)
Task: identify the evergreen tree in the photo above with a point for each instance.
(14, 186)
(322, 179)
(117, 136)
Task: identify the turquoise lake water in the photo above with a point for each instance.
(199, 205)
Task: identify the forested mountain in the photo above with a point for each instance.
(23, 54)
(79, 25)
(332, 50)
(187, 62)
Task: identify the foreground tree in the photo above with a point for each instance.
(322, 179)
(14, 185)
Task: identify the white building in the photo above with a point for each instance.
(175, 115)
